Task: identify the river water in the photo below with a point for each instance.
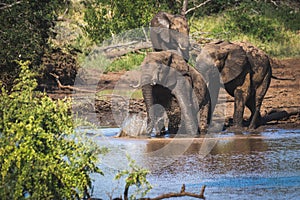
(232, 166)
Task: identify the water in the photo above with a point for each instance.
(232, 166)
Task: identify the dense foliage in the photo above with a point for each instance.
(135, 176)
(106, 18)
(271, 25)
(25, 29)
(40, 155)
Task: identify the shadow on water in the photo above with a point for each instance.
(238, 166)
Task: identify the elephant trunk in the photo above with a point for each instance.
(147, 91)
(149, 76)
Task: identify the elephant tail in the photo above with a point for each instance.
(283, 79)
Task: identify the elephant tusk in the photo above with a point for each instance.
(153, 83)
(181, 47)
(135, 86)
(138, 85)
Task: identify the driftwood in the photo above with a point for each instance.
(182, 193)
(280, 114)
(115, 51)
(69, 87)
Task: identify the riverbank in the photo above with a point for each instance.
(282, 96)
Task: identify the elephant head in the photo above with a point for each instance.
(170, 32)
(228, 58)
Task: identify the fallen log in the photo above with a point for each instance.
(182, 193)
(280, 114)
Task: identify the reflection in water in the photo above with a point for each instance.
(258, 166)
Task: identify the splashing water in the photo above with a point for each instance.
(133, 126)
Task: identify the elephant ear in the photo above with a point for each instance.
(164, 26)
(169, 74)
(235, 63)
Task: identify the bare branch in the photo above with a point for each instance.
(182, 193)
(5, 6)
(280, 114)
(274, 2)
(115, 51)
(184, 7)
(196, 7)
(61, 86)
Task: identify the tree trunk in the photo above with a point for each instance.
(184, 7)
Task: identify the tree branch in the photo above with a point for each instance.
(184, 7)
(280, 114)
(61, 86)
(115, 51)
(5, 6)
(182, 193)
(196, 7)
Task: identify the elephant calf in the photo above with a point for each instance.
(168, 82)
(245, 72)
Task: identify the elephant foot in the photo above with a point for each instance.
(161, 132)
(255, 123)
(236, 129)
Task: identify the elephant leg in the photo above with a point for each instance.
(214, 89)
(159, 119)
(241, 95)
(251, 105)
(174, 121)
(204, 118)
(155, 121)
(259, 96)
(174, 115)
(183, 94)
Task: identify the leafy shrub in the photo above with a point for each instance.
(136, 176)
(25, 28)
(106, 18)
(269, 27)
(245, 20)
(40, 155)
(127, 62)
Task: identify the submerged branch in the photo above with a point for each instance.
(182, 193)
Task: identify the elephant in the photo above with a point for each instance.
(168, 81)
(245, 72)
(170, 32)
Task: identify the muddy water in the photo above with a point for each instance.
(232, 166)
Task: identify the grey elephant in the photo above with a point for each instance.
(170, 32)
(245, 72)
(168, 81)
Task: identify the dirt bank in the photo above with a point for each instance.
(283, 95)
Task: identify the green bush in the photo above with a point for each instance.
(127, 62)
(135, 176)
(25, 28)
(107, 18)
(40, 155)
(269, 27)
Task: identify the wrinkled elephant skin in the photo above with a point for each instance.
(169, 81)
(245, 72)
